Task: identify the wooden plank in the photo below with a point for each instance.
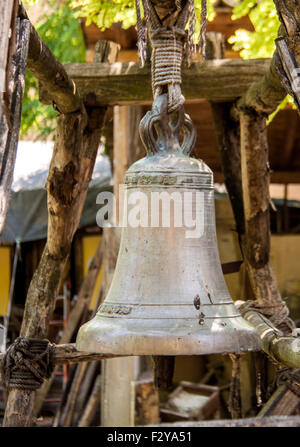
(282, 403)
(128, 83)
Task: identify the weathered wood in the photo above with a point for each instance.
(264, 95)
(256, 199)
(275, 421)
(51, 73)
(287, 45)
(6, 11)
(71, 168)
(89, 379)
(228, 139)
(92, 404)
(282, 403)
(68, 411)
(163, 369)
(68, 354)
(83, 299)
(146, 402)
(128, 83)
(106, 51)
(10, 113)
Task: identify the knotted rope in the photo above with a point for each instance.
(203, 26)
(167, 53)
(27, 363)
(278, 314)
(170, 45)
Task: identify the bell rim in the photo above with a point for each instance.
(94, 337)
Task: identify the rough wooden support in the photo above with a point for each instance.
(287, 45)
(67, 354)
(6, 13)
(263, 96)
(75, 150)
(242, 141)
(128, 84)
(84, 296)
(51, 73)
(255, 183)
(10, 109)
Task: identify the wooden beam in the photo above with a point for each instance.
(283, 402)
(128, 83)
(51, 73)
(67, 354)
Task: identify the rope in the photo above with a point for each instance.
(167, 53)
(169, 46)
(203, 26)
(142, 31)
(278, 314)
(27, 363)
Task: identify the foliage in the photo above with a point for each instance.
(106, 12)
(259, 43)
(61, 32)
(70, 45)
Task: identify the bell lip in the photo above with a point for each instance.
(130, 343)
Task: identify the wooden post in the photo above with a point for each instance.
(12, 85)
(92, 404)
(84, 296)
(76, 146)
(255, 185)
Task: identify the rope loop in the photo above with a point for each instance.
(278, 314)
(27, 363)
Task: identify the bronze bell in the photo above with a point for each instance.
(168, 295)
